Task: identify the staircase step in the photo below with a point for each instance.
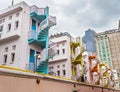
(42, 37)
(44, 31)
(42, 34)
(42, 68)
(41, 40)
(30, 40)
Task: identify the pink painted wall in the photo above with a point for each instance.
(12, 82)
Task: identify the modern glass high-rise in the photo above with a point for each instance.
(89, 41)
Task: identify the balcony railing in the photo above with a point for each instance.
(75, 39)
(39, 11)
(52, 49)
(33, 66)
(43, 24)
(48, 22)
(30, 66)
(32, 34)
(52, 21)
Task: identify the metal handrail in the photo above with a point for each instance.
(40, 11)
(30, 66)
(43, 24)
(51, 22)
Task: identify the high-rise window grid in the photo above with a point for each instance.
(103, 49)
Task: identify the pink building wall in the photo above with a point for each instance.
(16, 81)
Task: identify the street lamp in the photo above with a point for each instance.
(37, 56)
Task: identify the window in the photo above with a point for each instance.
(103, 51)
(57, 45)
(38, 24)
(63, 50)
(17, 14)
(99, 48)
(63, 44)
(0, 21)
(106, 43)
(14, 47)
(105, 59)
(106, 46)
(64, 65)
(16, 24)
(58, 66)
(33, 22)
(104, 55)
(58, 52)
(5, 59)
(118, 74)
(1, 28)
(50, 68)
(9, 27)
(3, 20)
(58, 73)
(64, 72)
(84, 56)
(10, 17)
(12, 57)
(103, 47)
(99, 51)
(6, 49)
(98, 44)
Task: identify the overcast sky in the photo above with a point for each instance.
(76, 16)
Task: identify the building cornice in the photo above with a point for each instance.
(59, 60)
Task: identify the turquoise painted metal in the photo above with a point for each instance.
(39, 17)
(41, 38)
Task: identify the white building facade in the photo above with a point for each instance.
(21, 27)
(60, 64)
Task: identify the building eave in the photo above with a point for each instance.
(10, 11)
(13, 9)
(60, 60)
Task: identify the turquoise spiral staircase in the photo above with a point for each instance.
(41, 37)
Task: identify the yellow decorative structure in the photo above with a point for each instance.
(103, 75)
(76, 59)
